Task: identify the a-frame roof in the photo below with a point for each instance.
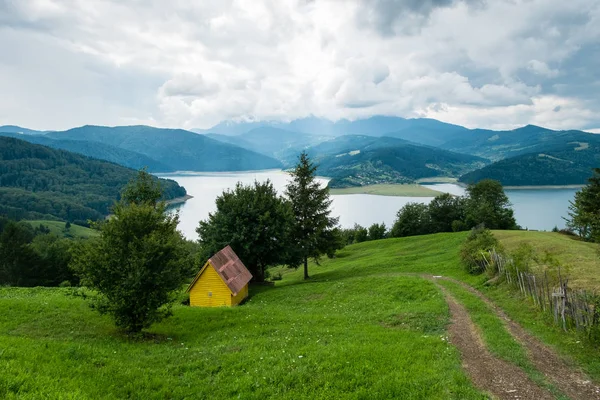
(230, 268)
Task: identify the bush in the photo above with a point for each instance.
(479, 242)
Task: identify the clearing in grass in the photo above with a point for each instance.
(58, 228)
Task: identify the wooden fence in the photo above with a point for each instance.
(571, 309)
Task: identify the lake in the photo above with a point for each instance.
(534, 209)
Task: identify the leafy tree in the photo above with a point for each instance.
(18, 261)
(361, 234)
(377, 231)
(412, 219)
(444, 210)
(479, 242)
(138, 261)
(54, 257)
(314, 230)
(255, 222)
(584, 210)
(488, 204)
(67, 226)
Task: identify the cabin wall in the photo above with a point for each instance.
(242, 294)
(210, 290)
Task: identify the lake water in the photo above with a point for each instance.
(534, 209)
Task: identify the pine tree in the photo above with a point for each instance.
(315, 231)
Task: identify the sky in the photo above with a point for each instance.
(496, 64)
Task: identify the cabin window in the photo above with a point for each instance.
(209, 294)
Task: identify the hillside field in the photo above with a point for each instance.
(366, 326)
(58, 228)
(580, 259)
(408, 190)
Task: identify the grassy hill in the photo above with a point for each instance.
(58, 228)
(580, 259)
(38, 182)
(366, 326)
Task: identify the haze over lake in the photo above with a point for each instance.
(534, 209)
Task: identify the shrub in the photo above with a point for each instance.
(479, 242)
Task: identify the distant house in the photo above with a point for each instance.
(222, 281)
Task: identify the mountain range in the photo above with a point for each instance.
(161, 150)
(378, 149)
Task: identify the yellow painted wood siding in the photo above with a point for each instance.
(235, 300)
(210, 290)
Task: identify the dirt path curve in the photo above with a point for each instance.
(571, 381)
(498, 377)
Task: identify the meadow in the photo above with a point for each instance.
(407, 190)
(58, 228)
(367, 325)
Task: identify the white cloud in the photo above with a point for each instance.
(192, 64)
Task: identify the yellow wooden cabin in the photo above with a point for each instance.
(222, 281)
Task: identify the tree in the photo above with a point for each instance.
(488, 204)
(584, 211)
(412, 219)
(444, 210)
(18, 261)
(361, 234)
(314, 230)
(138, 261)
(377, 231)
(255, 222)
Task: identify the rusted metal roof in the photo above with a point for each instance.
(230, 268)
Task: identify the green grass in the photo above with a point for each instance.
(357, 330)
(571, 346)
(58, 227)
(495, 335)
(437, 179)
(366, 326)
(407, 190)
(581, 259)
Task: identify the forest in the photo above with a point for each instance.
(37, 182)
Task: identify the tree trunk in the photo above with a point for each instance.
(306, 268)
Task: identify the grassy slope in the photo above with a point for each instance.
(388, 190)
(358, 329)
(354, 331)
(58, 227)
(581, 259)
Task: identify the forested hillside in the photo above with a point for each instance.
(126, 158)
(177, 149)
(363, 160)
(37, 182)
(569, 166)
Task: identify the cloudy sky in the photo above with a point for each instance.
(191, 64)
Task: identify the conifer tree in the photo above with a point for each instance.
(314, 231)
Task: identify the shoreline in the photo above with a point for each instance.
(542, 187)
(392, 190)
(534, 187)
(212, 173)
(178, 200)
